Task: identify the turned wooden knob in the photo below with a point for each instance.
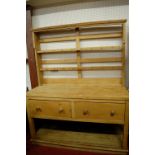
(112, 113)
(61, 110)
(85, 112)
(38, 109)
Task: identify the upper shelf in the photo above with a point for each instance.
(79, 25)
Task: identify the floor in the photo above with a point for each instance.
(32, 149)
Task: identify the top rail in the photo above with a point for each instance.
(73, 26)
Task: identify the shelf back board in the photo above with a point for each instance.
(91, 52)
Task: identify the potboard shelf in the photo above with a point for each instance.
(93, 141)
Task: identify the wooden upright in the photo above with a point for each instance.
(80, 99)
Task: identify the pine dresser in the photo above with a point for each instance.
(80, 83)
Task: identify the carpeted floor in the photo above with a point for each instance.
(32, 149)
(42, 150)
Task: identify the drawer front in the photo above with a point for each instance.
(47, 109)
(99, 112)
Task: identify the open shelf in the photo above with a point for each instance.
(85, 49)
(77, 45)
(75, 135)
(79, 138)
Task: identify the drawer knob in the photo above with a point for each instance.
(85, 112)
(61, 110)
(38, 109)
(112, 113)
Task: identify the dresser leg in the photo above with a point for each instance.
(32, 127)
(126, 127)
(31, 123)
(125, 137)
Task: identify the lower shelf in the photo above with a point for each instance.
(80, 140)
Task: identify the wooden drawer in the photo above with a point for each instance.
(47, 109)
(99, 112)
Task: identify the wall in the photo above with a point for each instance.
(82, 12)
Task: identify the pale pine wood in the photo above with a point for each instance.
(101, 36)
(69, 50)
(78, 52)
(81, 68)
(79, 37)
(82, 60)
(72, 100)
(100, 112)
(59, 61)
(100, 121)
(102, 143)
(123, 53)
(86, 49)
(126, 127)
(31, 126)
(37, 57)
(83, 37)
(99, 28)
(99, 100)
(88, 139)
(104, 49)
(31, 121)
(48, 40)
(72, 26)
(80, 91)
(53, 108)
(115, 82)
(106, 112)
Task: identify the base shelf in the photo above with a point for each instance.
(80, 140)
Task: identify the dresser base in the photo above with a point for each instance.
(94, 142)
